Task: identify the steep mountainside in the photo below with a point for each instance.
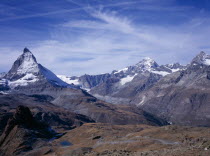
(182, 97)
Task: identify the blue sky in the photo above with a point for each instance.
(74, 37)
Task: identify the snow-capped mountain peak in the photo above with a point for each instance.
(26, 70)
(147, 64)
(28, 63)
(25, 64)
(201, 58)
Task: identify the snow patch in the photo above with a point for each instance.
(68, 80)
(175, 70)
(124, 70)
(142, 101)
(146, 64)
(163, 73)
(127, 79)
(3, 81)
(24, 81)
(3, 92)
(206, 62)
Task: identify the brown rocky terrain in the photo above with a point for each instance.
(23, 133)
(95, 139)
(42, 110)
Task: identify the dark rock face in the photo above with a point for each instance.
(90, 81)
(43, 111)
(21, 132)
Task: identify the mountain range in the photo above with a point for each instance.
(38, 106)
(35, 81)
(177, 93)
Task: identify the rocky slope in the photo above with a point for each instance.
(132, 140)
(44, 111)
(23, 133)
(104, 112)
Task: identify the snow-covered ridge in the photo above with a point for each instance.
(201, 58)
(72, 80)
(144, 65)
(121, 70)
(69, 80)
(147, 64)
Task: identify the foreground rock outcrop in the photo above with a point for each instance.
(23, 133)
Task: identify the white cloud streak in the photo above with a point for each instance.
(109, 41)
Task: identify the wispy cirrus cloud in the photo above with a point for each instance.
(97, 38)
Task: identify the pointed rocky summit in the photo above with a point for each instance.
(26, 70)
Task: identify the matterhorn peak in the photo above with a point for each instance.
(25, 50)
(25, 64)
(26, 70)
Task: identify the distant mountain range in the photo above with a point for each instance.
(120, 86)
(180, 94)
(124, 75)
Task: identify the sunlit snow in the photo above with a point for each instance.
(163, 73)
(68, 79)
(126, 79)
(24, 81)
